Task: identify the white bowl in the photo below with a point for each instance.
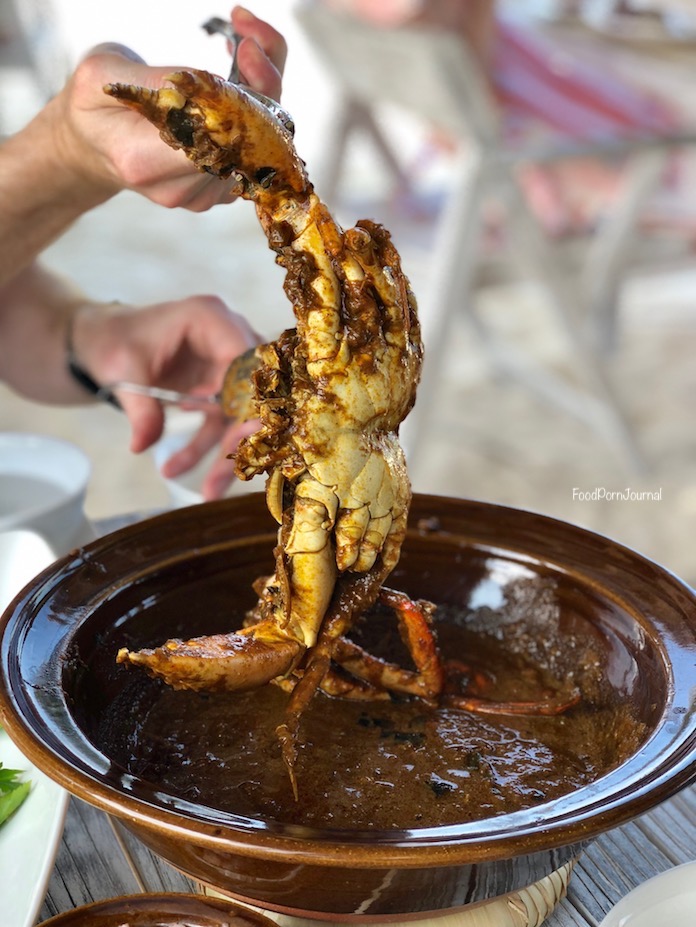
(185, 489)
(667, 899)
(43, 482)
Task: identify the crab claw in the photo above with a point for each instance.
(237, 395)
(235, 662)
(222, 129)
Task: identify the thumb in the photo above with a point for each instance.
(115, 48)
(113, 63)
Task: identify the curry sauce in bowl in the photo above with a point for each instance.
(396, 763)
(403, 807)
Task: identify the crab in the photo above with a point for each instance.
(330, 395)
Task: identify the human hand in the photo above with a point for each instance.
(185, 345)
(114, 148)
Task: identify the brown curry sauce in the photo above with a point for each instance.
(397, 763)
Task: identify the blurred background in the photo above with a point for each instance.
(534, 162)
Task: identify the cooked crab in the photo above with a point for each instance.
(330, 395)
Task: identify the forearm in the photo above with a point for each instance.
(36, 308)
(41, 191)
(84, 147)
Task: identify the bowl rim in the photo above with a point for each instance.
(169, 906)
(633, 787)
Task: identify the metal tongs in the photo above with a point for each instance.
(216, 24)
(235, 398)
(172, 396)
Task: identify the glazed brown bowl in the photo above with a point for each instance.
(189, 572)
(165, 910)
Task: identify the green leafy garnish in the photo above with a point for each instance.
(12, 791)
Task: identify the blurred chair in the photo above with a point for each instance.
(432, 75)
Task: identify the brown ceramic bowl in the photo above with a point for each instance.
(170, 909)
(180, 574)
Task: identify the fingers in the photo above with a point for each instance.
(221, 472)
(202, 441)
(262, 53)
(146, 418)
(111, 62)
(257, 71)
(214, 333)
(262, 56)
(196, 193)
(270, 40)
(184, 344)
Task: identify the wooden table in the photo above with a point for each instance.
(98, 859)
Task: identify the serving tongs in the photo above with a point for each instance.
(236, 397)
(218, 25)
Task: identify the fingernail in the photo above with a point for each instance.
(241, 13)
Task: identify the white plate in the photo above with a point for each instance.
(29, 839)
(667, 899)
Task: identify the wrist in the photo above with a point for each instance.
(79, 371)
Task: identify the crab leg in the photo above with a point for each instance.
(484, 706)
(429, 679)
(349, 599)
(415, 626)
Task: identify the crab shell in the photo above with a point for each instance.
(330, 393)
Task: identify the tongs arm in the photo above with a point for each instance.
(236, 398)
(216, 24)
